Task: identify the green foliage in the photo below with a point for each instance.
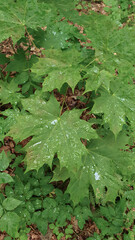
(52, 133)
(16, 16)
(32, 199)
(9, 222)
(60, 66)
(76, 103)
(119, 10)
(68, 231)
(4, 163)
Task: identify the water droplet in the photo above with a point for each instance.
(54, 210)
(97, 176)
(54, 33)
(54, 122)
(36, 144)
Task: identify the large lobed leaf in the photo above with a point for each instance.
(114, 48)
(111, 44)
(15, 16)
(116, 105)
(60, 67)
(52, 134)
(60, 35)
(103, 168)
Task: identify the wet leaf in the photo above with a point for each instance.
(52, 134)
(60, 66)
(10, 223)
(5, 178)
(9, 92)
(4, 161)
(116, 105)
(11, 203)
(15, 16)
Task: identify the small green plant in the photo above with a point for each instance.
(67, 232)
(120, 10)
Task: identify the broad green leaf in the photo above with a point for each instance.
(113, 111)
(64, 8)
(4, 161)
(78, 187)
(58, 77)
(108, 40)
(60, 35)
(6, 123)
(112, 45)
(9, 93)
(103, 167)
(11, 203)
(116, 105)
(16, 15)
(10, 223)
(115, 149)
(97, 78)
(22, 78)
(52, 134)
(60, 67)
(98, 172)
(5, 178)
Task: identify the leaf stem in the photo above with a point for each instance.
(90, 63)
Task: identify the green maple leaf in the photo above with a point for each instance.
(112, 45)
(124, 161)
(98, 171)
(103, 167)
(15, 16)
(61, 67)
(6, 123)
(116, 105)
(64, 8)
(57, 36)
(112, 108)
(52, 134)
(107, 39)
(97, 78)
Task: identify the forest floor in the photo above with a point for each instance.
(90, 227)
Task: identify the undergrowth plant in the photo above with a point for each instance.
(68, 90)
